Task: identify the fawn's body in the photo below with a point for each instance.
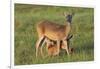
(52, 47)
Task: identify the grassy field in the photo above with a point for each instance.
(26, 18)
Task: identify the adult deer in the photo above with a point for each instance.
(54, 32)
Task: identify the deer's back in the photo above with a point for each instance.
(52, 30)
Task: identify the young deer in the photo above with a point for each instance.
(52, 47)
(54, 32)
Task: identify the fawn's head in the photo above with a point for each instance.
(69, 17)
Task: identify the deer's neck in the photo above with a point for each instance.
(68, 25)
(68, 28)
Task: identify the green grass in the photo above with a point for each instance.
(26, 18)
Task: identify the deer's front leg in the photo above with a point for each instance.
(66, 46)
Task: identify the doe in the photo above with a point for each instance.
(54, 32)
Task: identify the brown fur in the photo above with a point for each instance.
(52, 50)
(53, 31)
(52, 47)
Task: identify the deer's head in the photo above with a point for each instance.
(69, 17)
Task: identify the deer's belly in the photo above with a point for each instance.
(55, 36)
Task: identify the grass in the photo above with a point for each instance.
(26, 18)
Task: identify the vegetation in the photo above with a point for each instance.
(26, 18)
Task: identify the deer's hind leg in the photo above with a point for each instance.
(38, 44)
(41, 47)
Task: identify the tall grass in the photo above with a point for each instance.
(26, 18)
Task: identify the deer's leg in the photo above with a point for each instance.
(66, 46)
(42, 47)
(38, 44)
(58, 46)
(46, 40)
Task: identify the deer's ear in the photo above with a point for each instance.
(65, 14)
(73, 13)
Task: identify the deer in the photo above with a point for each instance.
(52, 47)
(53, 31)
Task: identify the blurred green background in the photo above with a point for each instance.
(27, 16)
